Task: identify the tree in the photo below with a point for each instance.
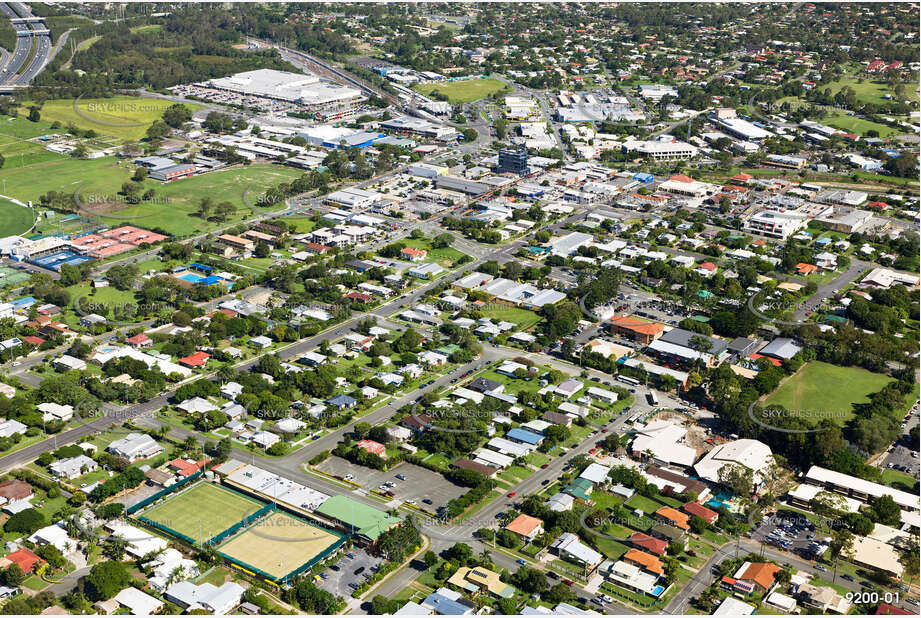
(26, 522)
(177, 115)
(459, 553)
(34, 114)
(12, 576)
(738, 478)
(842, 544)
(884, 510)
(158, 130)
(430, 559)
(106, 579)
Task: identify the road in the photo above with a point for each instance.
(826, 291)
(26, 35)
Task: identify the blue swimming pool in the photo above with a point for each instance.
(191, 277)
(658, 590)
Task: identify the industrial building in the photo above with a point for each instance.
(406, 125)
(307, 90)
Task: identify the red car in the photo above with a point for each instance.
(592, 450)
(568, 582)
(545, 466)
(512, 494)
(604, 431)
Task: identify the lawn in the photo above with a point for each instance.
(464, 91)
(647, 505)
(822, 388)
(303, 225)
(445, 256)
(176, 202)
(899, 480)
(869, 91)
(124, 117)
(202, 511)
(522, 317)
(860, 126)
(15, 219)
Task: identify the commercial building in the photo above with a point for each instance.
(860, 489)
(406, 125)
(173, 172)
(353, 199)
(305, 90)
(772, 224)
(737, 127)
(513, 161)
(636, 329)
(365, 521)
(662, 150)
(752, 454)
(663, 440)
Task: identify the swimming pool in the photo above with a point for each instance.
(191, 277)
(658, 590)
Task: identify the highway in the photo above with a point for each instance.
(27, 37)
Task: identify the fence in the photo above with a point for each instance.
(246, 521)
(257, 572)
(134, 508)
(157, 526)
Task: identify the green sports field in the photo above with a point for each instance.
(14, 219)
(464, 91)
(124, 117)
(203, 511)
(820, 387)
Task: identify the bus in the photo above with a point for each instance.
(653, 400)
(628, 380)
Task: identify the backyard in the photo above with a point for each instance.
(464, 91)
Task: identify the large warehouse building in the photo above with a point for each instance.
(307, 90)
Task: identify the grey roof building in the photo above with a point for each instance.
(781, 348)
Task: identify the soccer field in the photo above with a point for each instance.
(279, 544)
(203, 511)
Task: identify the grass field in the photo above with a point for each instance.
(125, 117)
(279, 544)
(15, 219)
(174, 204)
(858, 126)
(820, 387)
(202, 511)
(466, 91)
(522, 317)
(303, 225)
(869, 91)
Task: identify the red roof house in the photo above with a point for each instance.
(373, 447)
(648, 543)
(199, 359)
(26, 560)
(36, 341)
(139, 341)
(695, 508)
(186, 467)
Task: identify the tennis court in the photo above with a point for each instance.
(279, 544)
(202, 511)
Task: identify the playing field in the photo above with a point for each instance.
(820, 387)
(124, 117)
(279, 544)
(202, 511)
(14, 219)
(464, 91)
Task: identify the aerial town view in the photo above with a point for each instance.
(438, 309)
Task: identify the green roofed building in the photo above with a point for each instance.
(705, 294)
(357, 517)
(580, 488)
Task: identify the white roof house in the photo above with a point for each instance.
(596, 473)
(560, 502)
(140, 603)
(196, 405)
(54, 535)
(207, 596)
(55, 412)
(569, 545)
(140, 542)
(752, 454)
(135, 446)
